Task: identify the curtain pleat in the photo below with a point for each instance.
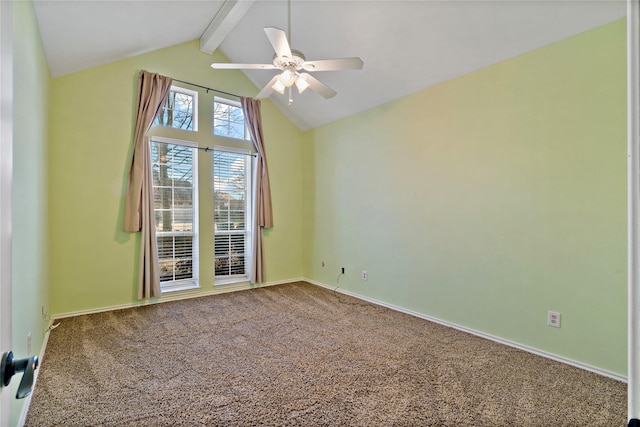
(264, 213)
(152, 93)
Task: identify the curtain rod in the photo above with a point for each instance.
(208, 88)
(189, 144)
(207, 149)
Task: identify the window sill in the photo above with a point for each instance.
(235, 281)
(177, 287)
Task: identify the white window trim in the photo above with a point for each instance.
(194, 282)
(249, 255)
(227, 101)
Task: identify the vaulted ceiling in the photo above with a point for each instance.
(406, 46)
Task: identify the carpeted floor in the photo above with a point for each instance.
(300, 355)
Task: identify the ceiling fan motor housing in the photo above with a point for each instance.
(293, 64)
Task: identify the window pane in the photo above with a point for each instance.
(228, 121)
(222, 267)
(165, 247)
(231, 213)
(237, 244)
(162, 197)
(230, 185)
(222, 245)
(183, 246)
(183, 269)
(177, 111)
(164, 220)
(175, 254)
(237, 265)
(174, 204)
(183, 198)
(166, 270)
(237, 218)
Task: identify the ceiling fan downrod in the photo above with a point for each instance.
(289, 23)
(295, 72)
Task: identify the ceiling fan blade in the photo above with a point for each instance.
(230, 66)
(337, 64)
(268, 90)
(318, 87)
(278, 39)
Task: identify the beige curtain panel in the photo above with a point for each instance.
(253, 118)
(139, 217)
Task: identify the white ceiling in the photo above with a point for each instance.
(406, 46)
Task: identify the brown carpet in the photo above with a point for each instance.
(300, 355)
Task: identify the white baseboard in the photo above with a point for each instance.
(27, 402)
(177, 295)
(499, 340)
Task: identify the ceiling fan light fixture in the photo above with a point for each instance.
(278, 87)
(302, 84)
(287, 78)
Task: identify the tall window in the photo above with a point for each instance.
(232, 214)
(180, 109)
(175, 201)
(228, 119)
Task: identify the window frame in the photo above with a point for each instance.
(193, 282)
(249, 228)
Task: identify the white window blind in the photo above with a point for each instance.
(232, 214)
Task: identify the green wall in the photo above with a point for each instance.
(93, 263)
(29, 269)
(488, 200)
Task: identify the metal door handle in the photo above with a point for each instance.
(10, 366)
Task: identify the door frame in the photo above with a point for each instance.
(633, 207)
(6, 183)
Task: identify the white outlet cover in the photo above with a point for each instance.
(553, 319)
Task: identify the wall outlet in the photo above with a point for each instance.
(342, 270)
(323, 263)
(365, 275)
(29, 343)
(553, 319)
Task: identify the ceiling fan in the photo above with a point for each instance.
(293, 65)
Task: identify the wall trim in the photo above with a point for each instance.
(178, 295)
(471, 331)
(27, 402)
